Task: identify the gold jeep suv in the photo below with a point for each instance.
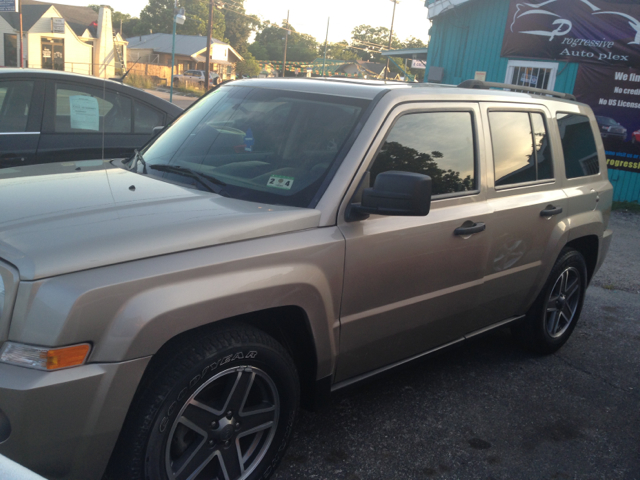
(162, 317)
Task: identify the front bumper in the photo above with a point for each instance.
(64, 424)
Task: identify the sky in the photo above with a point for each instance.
(311, 17)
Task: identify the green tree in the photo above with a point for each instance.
(238, 25)
(373, 39)
(340, 51)
(157, 17)
(248, 67)
(269, 44)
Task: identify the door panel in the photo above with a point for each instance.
(411, 284)
(524, 239)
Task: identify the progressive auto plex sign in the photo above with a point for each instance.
(591, 31)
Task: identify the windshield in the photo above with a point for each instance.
(262, 145)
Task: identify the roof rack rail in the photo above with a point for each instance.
(538, 91)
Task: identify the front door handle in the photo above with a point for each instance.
(475, 228)
(550, 211)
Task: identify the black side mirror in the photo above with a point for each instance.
(156, 130)
(394, 193)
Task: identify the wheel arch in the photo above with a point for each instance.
(588, 246)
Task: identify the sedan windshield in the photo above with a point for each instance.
(256, 144)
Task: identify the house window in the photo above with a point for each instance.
(10, 50)
(532, 74)
(53, 53)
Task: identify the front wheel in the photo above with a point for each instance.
(221, 406)
(176, 82)
(553, 316)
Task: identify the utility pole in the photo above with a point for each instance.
(21, 35)
(208, 63)
(326, 39)
(286, 37)
(386, 72)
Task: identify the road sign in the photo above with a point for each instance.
(8, 6)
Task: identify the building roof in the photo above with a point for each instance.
(420, 53)
(30, 15)
(78, 18)
(161, 43)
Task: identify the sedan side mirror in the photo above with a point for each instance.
(394, 193)
(156, 130)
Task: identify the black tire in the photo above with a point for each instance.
(176, 82)
(553, 316)
(226, 399)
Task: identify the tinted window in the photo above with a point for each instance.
(81, 109)
(578, 146)
(542, 147)
(146, 118)
(521, 150)
(438, 144)
(15, 99)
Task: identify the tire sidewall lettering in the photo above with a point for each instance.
(195, 382)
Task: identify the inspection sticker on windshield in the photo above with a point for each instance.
(280, 181)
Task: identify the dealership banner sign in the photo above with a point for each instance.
(604, 32)
(616, 103)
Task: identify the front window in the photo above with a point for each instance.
(255, 144)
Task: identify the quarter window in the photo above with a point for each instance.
(578, 145)
(521, 149)
(438, 144)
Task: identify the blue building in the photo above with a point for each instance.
(590, 48)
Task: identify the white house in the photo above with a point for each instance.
(62, 37)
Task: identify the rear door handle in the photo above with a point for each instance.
(551, 211)
(475, 228)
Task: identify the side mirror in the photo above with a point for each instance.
(394, 193)
(156, 130)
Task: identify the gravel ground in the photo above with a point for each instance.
(489, 410)
(621, 269)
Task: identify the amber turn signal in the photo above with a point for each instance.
(66, 357)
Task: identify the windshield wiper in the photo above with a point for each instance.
(210, 183)
(138, 158)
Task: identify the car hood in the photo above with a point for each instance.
(66, 217)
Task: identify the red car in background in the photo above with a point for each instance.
(635, 137)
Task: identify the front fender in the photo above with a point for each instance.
(130, 310)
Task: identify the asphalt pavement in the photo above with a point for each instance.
(182, 101)
(489, 410)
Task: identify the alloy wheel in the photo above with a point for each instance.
(225, 428)
(563, 302)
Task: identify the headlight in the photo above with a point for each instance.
(43, 358)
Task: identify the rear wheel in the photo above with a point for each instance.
(553, 316)
(221, 406)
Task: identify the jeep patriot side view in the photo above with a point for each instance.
(162, 317)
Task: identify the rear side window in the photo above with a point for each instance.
(578, 145)
(438, 144)
(521, 150)
(81, 109)
(15, 100)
